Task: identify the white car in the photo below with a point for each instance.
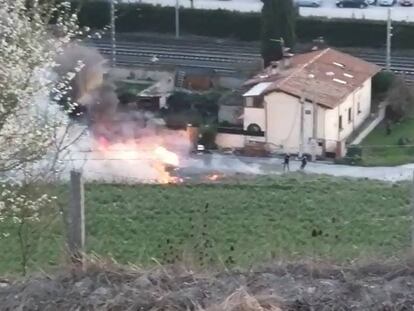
(406, 2)
(387, 2)
(310, 3)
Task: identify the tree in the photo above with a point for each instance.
(278, 22)
(31, 126)
(400, 99)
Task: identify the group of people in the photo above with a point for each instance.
(286, 160)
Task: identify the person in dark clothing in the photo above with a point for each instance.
(388, 127)
(304, 162)
(286, 163)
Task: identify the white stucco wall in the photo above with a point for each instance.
(254, 115)
(362, 96)
(283, 122)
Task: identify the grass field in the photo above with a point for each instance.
(382, 149)
(294, 216)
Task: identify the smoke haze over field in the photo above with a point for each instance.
(127, 146)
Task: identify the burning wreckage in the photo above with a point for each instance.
(122, 144)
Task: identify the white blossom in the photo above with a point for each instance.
(29, 88)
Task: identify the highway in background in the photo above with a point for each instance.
(327, 9)
(224, 56)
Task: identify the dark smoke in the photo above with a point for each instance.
(98, 104)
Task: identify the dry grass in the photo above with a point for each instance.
(105, 286)
(241, 300)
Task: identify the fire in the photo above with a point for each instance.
(149, 153)
(167, 157)
(214, 177)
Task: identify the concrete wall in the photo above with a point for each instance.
(373, 124)
(360, 104)
(358, 115)
(254, 115)
(224, 140)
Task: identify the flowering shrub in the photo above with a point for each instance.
(30, 125)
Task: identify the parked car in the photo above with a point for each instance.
(310, 3)
(387, 2)
(372, 2)
(352, 3)
(406, 2)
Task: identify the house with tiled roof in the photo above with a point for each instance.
(307, 104)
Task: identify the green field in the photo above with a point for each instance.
(381, 149)
(293, 216)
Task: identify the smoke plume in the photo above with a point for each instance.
(119, 145)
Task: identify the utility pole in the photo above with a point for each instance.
(302, 126)
(302, 116)
(113, 34)
(281, 41)
(76, 218)
(412, 215)
(315, 129)
(177, 19)
(389, 36)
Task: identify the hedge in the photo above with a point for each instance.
(244, 26)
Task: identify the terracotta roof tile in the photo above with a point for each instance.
(325, 76)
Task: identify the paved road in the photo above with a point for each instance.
(135, 171)
(328, 9)
(231, 164)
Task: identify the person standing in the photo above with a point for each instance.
(388, 127)
(286, 163)
(304, 162)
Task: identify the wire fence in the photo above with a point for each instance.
(230, 221)
(217, 222)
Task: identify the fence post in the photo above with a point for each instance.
(76, 218)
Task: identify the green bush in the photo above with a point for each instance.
(208, 134)
(205, 104)
(244, 26)
(382, 82)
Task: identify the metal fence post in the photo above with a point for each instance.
(76, 218)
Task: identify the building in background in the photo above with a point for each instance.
(306, 104)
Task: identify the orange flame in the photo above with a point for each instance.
(166, 156)
(214, 177)
(157, 156)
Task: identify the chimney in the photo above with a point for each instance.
(319, 44)
(274, 67)
(286, 61)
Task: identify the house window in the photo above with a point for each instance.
(254, 101)
(359, 107)
(349, 115)
(258, 101)
(340, 123)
